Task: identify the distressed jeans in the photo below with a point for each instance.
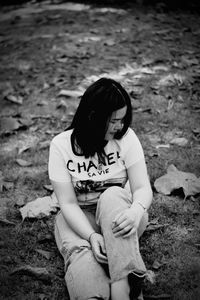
(85, 277)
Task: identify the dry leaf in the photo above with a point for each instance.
(62, 104)
(179, 141)
(24, 66)
(6, 222)
(23, 163)
(38, 273)
(175, 179)
(153, 227)
(8, 125)
(1, 181)
(44, 253)
(150, 276)
(8, 185)
(20, 202)
(156, 265)
(44, 145)
(109, 42)
(70, 93)
(40, 207)
(14, 99)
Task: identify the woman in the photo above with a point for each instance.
(100, 220)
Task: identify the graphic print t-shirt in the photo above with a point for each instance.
(89, 176)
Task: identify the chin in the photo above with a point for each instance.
(109, 137)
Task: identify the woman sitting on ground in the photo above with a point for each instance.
(100, 220)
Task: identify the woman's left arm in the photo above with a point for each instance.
(140, 184)
(127, 221)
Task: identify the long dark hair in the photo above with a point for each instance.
(90, 121)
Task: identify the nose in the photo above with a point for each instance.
(118, 125)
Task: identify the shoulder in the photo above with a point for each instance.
(130, 143)
(129, 137)
(62, 138)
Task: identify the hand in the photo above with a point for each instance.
(126, 222)
(98, 247)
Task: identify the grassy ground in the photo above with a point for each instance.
(42, 53)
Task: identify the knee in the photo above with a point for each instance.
(113, 195)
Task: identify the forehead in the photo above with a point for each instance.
(119, 114)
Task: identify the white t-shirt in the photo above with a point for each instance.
(89, 177)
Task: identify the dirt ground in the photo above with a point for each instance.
(48, 49)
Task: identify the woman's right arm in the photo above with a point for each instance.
(71, 210)
(75, 217)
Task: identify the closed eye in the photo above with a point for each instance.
(116, 121)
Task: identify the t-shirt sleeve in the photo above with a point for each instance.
(133, 151)
(57, 167)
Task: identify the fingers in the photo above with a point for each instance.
(101, 258)
(99, 250)
(123, 231)
(132, 231)
(103, 248)
(118, 218)
(119, 226)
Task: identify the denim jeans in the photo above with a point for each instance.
(85, 277)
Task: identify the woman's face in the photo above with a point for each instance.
(116, 123)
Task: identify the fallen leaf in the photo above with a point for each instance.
(175, 179)
(179, 141)
(23, 66)
(150, 276)
(196, 131)
(38, 273)
(154, 221)
(22, 83)
(156, 265)
(170, 104)
(70, 93)
(47, 238)
(44, 253)
(154, 227)
(171, 80)
(8, 185)
(6, 222)
(8, 125)
(43, 145)
(20, 202)
(110, 10)
(40, 207)
(109, 42)
(1, 181)
(14, 99)
(42, 297)
(190, 61)
(23, 163)
(62, 105)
